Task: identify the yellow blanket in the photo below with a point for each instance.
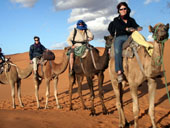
(138, 38)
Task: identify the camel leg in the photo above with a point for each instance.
(36, 92)
(47, 92)
(90, 83)
(152, 89)
(79, 81)
(19, 92)
(101, 95)
(56, 93)
(13, 94)
(135, 104)
(71, 83)
(119, 104)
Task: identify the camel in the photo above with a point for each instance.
(12, 75)
(93, 64)
(50, 71)
(136, 77)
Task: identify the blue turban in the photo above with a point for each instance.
(84, 27)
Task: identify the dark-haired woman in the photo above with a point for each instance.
(121, 27)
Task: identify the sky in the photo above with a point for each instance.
(52, 20)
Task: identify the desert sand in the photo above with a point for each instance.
(31, 117)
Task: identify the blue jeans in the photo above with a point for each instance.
(118, 52)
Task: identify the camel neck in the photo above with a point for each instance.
(157, 54)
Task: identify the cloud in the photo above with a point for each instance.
(60, 45)
(25, 3)
(150, 38)
(150, 1)
(96, 13)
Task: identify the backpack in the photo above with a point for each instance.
(75, 32)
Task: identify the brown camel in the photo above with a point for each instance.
(91, 65)
(12, 75)
(136, 77)
(49, 71)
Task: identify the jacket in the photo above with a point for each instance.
(36, 50)
(2, 57)
(80, 37)
(119, 26)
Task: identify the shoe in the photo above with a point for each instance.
(1, 70)
(37, 76)
(120, 78)
(71, 72)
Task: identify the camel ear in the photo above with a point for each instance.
(167, 26)
(67, 48)
(151, 29)
(105, 37)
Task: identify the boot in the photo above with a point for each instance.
(120, 78)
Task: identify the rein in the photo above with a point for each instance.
(93, 60)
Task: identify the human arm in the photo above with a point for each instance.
(2, 57)
(133, 26)
(31, 53)
(111, 28)
(43, 48)
(70, 38)
(90, 35)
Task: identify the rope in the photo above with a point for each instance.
(166, 85)
(162, 63)
(91, 52)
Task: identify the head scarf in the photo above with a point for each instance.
(84, 27)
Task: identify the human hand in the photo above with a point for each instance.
(89, 39)
(73, 46)
(139, 28)
(31, 62)
(130, 29)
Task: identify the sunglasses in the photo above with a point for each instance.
(122, 9)
(36, 40)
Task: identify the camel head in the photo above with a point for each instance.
(109, 40)
(160, 32)
(48, 55)
(67, 48)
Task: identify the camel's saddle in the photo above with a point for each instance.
(130, 48)
(47, 55)
(5, 66)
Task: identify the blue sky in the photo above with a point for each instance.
(52, 20)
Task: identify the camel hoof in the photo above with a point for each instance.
(71, 109)
(21, 105)
(93, 114)
(85, 108)
(105, 112)
(60, 107)
(38, 108)
(14, 107)
(126, 125)
(46, 107)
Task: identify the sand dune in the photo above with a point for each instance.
(30, 117)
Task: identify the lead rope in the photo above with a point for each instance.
(161, 62)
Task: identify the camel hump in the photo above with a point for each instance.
(48, 55)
